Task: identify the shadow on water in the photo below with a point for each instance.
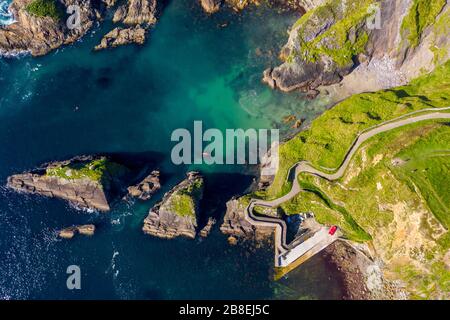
(219, 188)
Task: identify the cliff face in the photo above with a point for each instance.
(84, 181)
(176, 214)
(41, 34)
(341, 41)
(235, 223)
(136, 12)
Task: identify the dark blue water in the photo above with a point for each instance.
(129, 100)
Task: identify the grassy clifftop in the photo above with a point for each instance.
(184, 201)
(98, 169)
(325, 143)
(46, 8)
(395, 191)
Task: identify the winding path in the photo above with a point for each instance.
(281, 247)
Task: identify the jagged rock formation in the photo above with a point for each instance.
(211, 6)
(208, 227)
(69, 233)
(85, 181)
(136, 12)
(301, 5)
(338, 38)
(139, 15)
(176, 214)
(109, 3)
(146, 188)
(235, 224)
(39, 35)
(120, 36)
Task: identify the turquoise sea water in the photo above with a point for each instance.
(129, 100)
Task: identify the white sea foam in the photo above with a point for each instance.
(6, 16)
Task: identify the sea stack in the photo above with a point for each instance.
(176, 214)
(85, 181)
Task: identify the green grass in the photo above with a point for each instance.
(359, 207)
(95, 170)
(183, 205)
(428, 168)
(184, 201)
(45, 8)
(337, 42)
(440, 30)
(422, 14)
(325, 143)
(355, 232)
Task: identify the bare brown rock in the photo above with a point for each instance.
(119, 36)
(69, 233)
(211, 6)
(109, 3)
(208, 227)
(86, 230)
(136, 12)
(362, 277)
(146, 188)
(232, 241)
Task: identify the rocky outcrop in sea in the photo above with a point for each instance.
(177, 213)
(145, 189)
(120, 36)
(87, 182)
(138, 16)
(70, 232)
(207, 228)
(211, 6)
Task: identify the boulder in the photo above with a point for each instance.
(69, 233)
(211, 6)
(146, 188)
(120, 36)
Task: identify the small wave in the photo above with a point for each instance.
(6, 17)
(14, 53)
(112, 265)
(83, 209)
